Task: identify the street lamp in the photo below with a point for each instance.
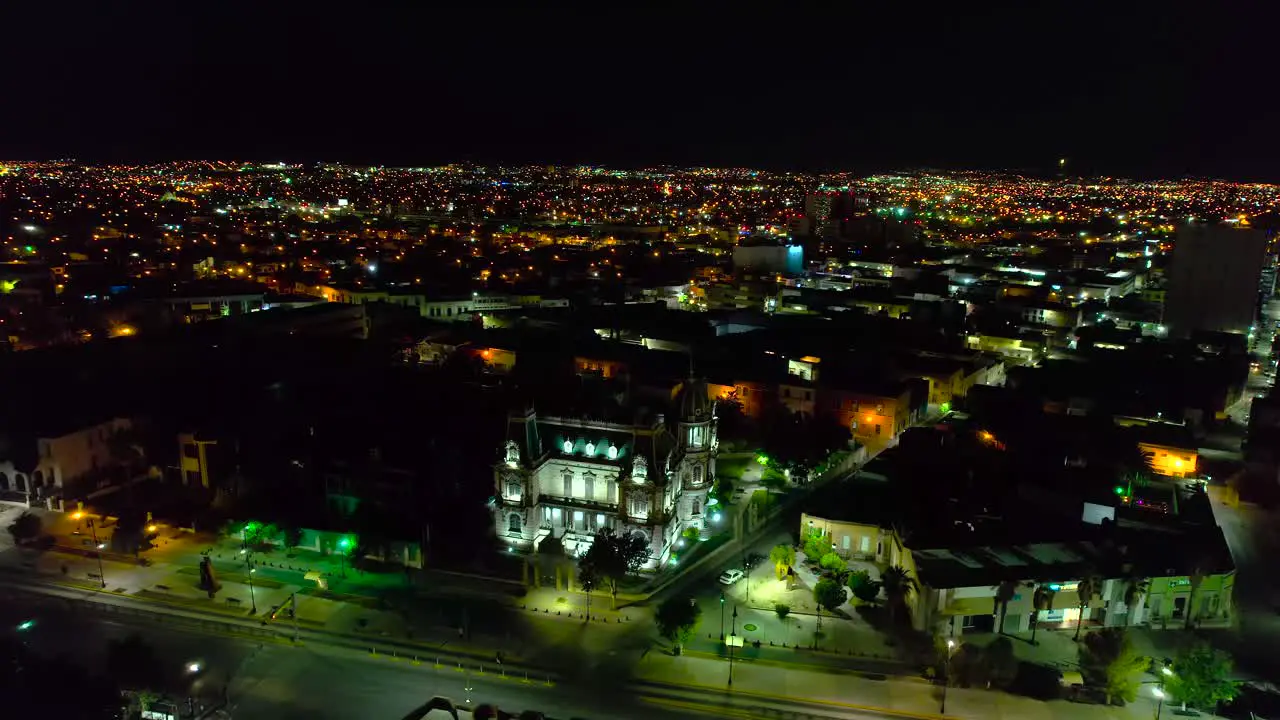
(721, 616)
(946, 679)
(94, 532)
(343, 545)
(1159, 700)
(252, 600)
(733, 632)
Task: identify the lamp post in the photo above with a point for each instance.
(343, 545)
(946, 679)
(248, 563)
(721, 616)
(1159, 700)
(97, 549)
(733, 632)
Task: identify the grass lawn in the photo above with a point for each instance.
(732, 468)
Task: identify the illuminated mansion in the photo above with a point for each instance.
(570, 477)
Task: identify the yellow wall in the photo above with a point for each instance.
(1172, 461)
(857, 534)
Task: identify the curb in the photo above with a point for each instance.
(790, 699)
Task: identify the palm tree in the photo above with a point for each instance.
(898, 586)
(1194, 578)
(1089, 586)
(1041, 600)
(1134, 589)
(1004, 593)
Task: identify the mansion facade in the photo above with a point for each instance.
(567, 477)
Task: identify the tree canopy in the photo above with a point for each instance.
(26, 527)
(829, 594)
(1109, 662)
(1202, 677)
(612, 557)
(863, 587)
(677, 620)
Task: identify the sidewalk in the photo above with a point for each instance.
(914, 698)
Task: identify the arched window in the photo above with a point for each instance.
(513, 523)
(37, 479)
(20, 482)
(513, 489)
(4, 481)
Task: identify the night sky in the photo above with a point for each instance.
(1151, 91)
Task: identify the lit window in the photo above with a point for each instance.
(591, 449)
(568, 446)
(613, 452)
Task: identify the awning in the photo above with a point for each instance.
(970, 606)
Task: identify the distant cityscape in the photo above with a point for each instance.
(552, 437)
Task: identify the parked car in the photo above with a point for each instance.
(729, 577)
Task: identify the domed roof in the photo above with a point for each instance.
(694, 404)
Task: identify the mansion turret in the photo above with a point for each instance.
(569, 477)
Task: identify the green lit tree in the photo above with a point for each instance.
(834, 564)
(784, 556)
(863, 587)
(1109, 662)
(816, 545)
(677, 619)
(829, 595)
(1202, 678)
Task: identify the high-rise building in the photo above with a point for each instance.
(1213, 280)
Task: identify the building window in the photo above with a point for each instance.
(567, 478)
(696, 509)
(600, 521)
(697, 475)
(589, 480)
(864, 544)
(613, 491)
(513, 523)
(639, 506)
(513, 490)
(877, 428)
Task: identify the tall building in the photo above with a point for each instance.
(1213, 281)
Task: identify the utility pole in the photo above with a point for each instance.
(97, 550)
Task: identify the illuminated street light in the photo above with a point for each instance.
(193, 667)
